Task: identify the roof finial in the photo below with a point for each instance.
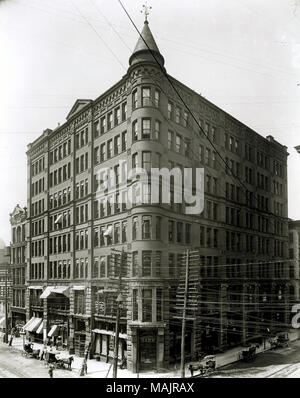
(146, 11)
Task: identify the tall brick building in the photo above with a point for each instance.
(18, 221)
(294, 255)
(242, 235)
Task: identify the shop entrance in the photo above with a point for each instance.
(147, 349)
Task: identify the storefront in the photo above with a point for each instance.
(58, 332)
(104, 344)
(18, 319)
(34, 329)
(147, 357)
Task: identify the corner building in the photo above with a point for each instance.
(242, 235)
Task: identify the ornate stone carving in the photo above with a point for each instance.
(18, 216)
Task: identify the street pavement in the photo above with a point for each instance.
(281, 363)
(277, 363)
(14, 365)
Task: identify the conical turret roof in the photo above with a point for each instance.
(145, 49)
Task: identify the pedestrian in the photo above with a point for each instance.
(83, 370)
(11, 336)
(50, 371)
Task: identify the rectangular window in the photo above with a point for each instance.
(109, 149)
(171, 231)
(134, 99)
(146, 263)
(156, 98)
(124, 111)
(187, 233)
(178, 143)
(79, 302)
(146, 129)
(135, 264)
(134, 160)
(146, 100)
(177, 114)
(117, 146)
(170, 139)
(146, 160)
(179, 232)
(134, 228)
(159, 304)
(146, 227)
(157, 130)
(109, 120)
(124, 140)
(117, 116)
(170, 110)
(147, 305)
(158, 227)
(102, 125)
(134, 131)
(134, 304)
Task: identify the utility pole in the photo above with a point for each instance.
(182, 362)
(6, 306)
(119, 300)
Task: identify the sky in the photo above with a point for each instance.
(243, 55)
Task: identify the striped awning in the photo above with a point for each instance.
(40, 329)
(34, 287)
(53, 331)
(28, 323)
(78, 288)
(110, 333)
(53, 289)
(34, 324)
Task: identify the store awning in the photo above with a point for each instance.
(28, 323)
(53, 331)
(102, 291)
(110, 333)
(40, 329)
(36, 287)
(2, 322)
(53, 289)
(33, 326)
(78, 288)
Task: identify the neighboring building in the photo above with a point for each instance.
(5, 284)
(18, 221)
(294, 252)
(242, 235)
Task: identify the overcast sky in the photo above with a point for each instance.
(243, 55)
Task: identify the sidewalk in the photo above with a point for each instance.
(98, 369)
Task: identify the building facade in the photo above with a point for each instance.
(77, 233)
(5, 286)
(294, 254)
(18, 264)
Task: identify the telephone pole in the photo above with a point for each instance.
(182, 361)
(119, 301)
(6, 305)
